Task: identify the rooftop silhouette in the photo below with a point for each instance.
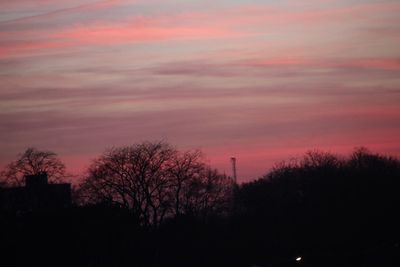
(37, 194)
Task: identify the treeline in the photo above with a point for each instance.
(336, 211)
(152, 180)
(151, 205)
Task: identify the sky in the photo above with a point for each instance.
(263, 81)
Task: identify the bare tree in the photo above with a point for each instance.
(154, 181)
(186, 167)
(208, 193)
(320, 159)
(133, 177)
(33, 161)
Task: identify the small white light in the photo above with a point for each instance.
(298, 259)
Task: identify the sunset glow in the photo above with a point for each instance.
(262, 81)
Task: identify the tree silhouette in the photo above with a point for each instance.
(197, 189)
(186, 168)
(325, 202)
(156, 206)
(154, 181)
(31, 162)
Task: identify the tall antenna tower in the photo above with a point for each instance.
(233, 161)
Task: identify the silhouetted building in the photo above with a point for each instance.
(37, 194)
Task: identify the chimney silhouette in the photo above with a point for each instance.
(233, 161)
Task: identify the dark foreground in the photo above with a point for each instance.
(326, 211)
(100, 236)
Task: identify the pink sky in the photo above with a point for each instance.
(259, 80)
